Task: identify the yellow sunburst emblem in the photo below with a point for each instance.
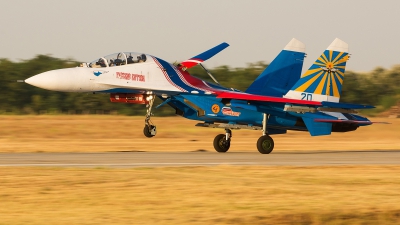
(325, 76)
(329, 65)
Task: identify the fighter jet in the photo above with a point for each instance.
(280, 99)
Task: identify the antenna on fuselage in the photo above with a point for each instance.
(209, 74)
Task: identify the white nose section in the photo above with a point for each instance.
(46, 80)
(56, 80)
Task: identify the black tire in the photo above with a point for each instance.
(265, 144)
(221, 144)
(146, 131)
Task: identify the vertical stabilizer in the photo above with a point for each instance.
(324, 79)
(282, 73)
(295, 45)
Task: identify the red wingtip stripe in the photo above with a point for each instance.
(191, 62)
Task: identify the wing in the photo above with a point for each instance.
(202, 56)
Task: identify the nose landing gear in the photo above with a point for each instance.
(149, 130)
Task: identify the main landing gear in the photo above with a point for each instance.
(222, 142)
(149, 129)
(265, 143)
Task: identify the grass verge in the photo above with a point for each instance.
(93, 133)
(201, 195)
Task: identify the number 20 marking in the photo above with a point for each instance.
(306, 96)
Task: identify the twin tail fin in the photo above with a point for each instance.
(324, 79)
(282, 73)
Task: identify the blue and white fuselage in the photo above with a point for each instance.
(151, 74)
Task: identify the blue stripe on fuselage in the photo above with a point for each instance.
(173, 75)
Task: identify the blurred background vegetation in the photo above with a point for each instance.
(380, 87)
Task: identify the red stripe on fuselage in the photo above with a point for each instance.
(196, 82)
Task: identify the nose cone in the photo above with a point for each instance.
(55, 80)
(45, 80)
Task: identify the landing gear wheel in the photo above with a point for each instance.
(265, 144)
(149, 131)
(221, 144)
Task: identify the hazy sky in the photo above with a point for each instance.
(178, 29)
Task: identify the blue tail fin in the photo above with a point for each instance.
(324, 80)
(282, 73)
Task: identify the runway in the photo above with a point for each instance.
(160, 159)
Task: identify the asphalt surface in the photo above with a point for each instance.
(157, 159)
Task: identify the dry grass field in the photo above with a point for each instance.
(94, 133)
(201, 195)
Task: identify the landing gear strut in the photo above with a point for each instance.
(149, 129)
(222, 142)
(265, 143)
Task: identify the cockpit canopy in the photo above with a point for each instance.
(118, 59)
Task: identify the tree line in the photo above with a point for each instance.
(380, 87)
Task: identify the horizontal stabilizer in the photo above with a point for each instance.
(317, 128)
(203, 56)
(346, 105)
